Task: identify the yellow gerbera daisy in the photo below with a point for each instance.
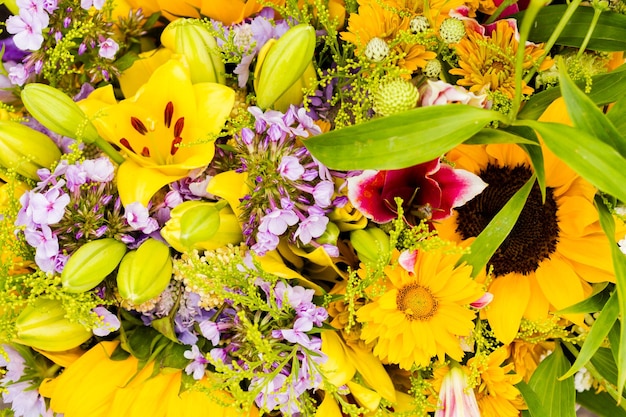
(422, 313)
(380, 20)
(496, 393)
(555, 249)
(95, 385)
(488, 61)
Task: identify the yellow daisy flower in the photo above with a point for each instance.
(488, 61)
(525, 356)
(378, 21)
(422, 313)
(95, 385)
(496, 393)
(555, 249)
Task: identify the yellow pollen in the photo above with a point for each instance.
(416, 302)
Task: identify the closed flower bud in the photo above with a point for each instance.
(91, 263)
(201, 225)
(282, 63)
(43, 325)
(370, 244)
(59, 113)
(190, 38)
(145, 272)
(26, 150)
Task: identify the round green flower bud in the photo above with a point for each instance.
(452, 30)
(395, 96)
(376, 50)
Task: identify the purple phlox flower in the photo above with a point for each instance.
(331, 250)
(97, 4)
(48, 208)
(110, 322)
(294, 296)
(26, 28)
(18, 74)
(108, 48)
(25, 400)
(297, 335)
(312, 312)
(312, 227)
(99, 170)
(75, 176)
(290, 168)
(46, 245)
(219, 355)
(277, 221)
(48, 177)
(15, 364)
(269, 117)
(34, 7)
(243, 69)
(265, 242)
(173, 198)
(210, 330)
(308, 378)
(323, 193)
(50, 5)
(138, 217)
(273, 393)
(198, 362)
(11, 52)
(198, 187)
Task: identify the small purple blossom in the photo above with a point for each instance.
(108, 48)
(138, 217)
(26, 28)
(265, 242)
(97, 4)
(110, 322)
(198, 363)
(19, 74)
(99, 170)
(312, 227)
(277, 221)
(210, 330)
(290, 168)
(48, 208)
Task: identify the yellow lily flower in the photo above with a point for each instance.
(166, 130)
(171, 9)
(134, 77)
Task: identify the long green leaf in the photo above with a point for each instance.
(400, 140)
(535, 407)
(619, 264)
(617, 116)
(591, 158)
(596, 336)
(490, 136)
(497, 230)
(605, 89)
(589, 305)
(586, 116)
(557, 396)
(609, 34)
(601, 404)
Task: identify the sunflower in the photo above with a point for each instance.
(488, 61)
(496, 393)
(422, 313)
(95, 385)
(554, 250)
(381, 21)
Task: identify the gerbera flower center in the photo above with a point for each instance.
(536, 232)
(416, 301)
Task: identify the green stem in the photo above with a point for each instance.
(597, 11)
(529, 19)
(499, 11)
(109, 150)
(555, 35)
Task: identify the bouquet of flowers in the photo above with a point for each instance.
(312, 208)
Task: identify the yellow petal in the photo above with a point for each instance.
(338, 369)
(328, 407)
(138, 74)
(216, 102)
(363, 396)
(511, 294)
(372, 371)
(538, 305)
(137, 183)
(231, 186)
(64, 358)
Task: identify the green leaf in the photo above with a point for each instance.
(490, 136)
(601, 404)
(609, 34)
(589, 305)
(597, 334)
(490, 239)
(535, 407)
(400, 140)
(557, 396)
(617, 116)
(619, 265)
(594, 160)
(606, 88)
(586, 116)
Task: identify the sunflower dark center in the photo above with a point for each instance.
(536, 232)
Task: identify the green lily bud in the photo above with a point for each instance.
(43, 325)
(330, 235)
(56, 111)
(145, 272)
(201, 225)
(281, 63)
(26, 150)
(370, 244)
(91, 263)
(295, 93)
(190, 38)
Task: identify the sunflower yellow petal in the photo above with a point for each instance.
(538, 305)
(511, 294)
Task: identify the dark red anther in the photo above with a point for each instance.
(175, 146)
(126, 144)
(178, 127)
(168, 114)
(145, 152)
(138, 125)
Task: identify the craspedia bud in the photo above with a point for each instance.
(59, 113)
(376, 50)
(432, 68)
(419, 24)
(452, 30)
(91, 263)
(43, 325)
(281, 63)
(26, 150)
(395, 96)
(145, 272)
